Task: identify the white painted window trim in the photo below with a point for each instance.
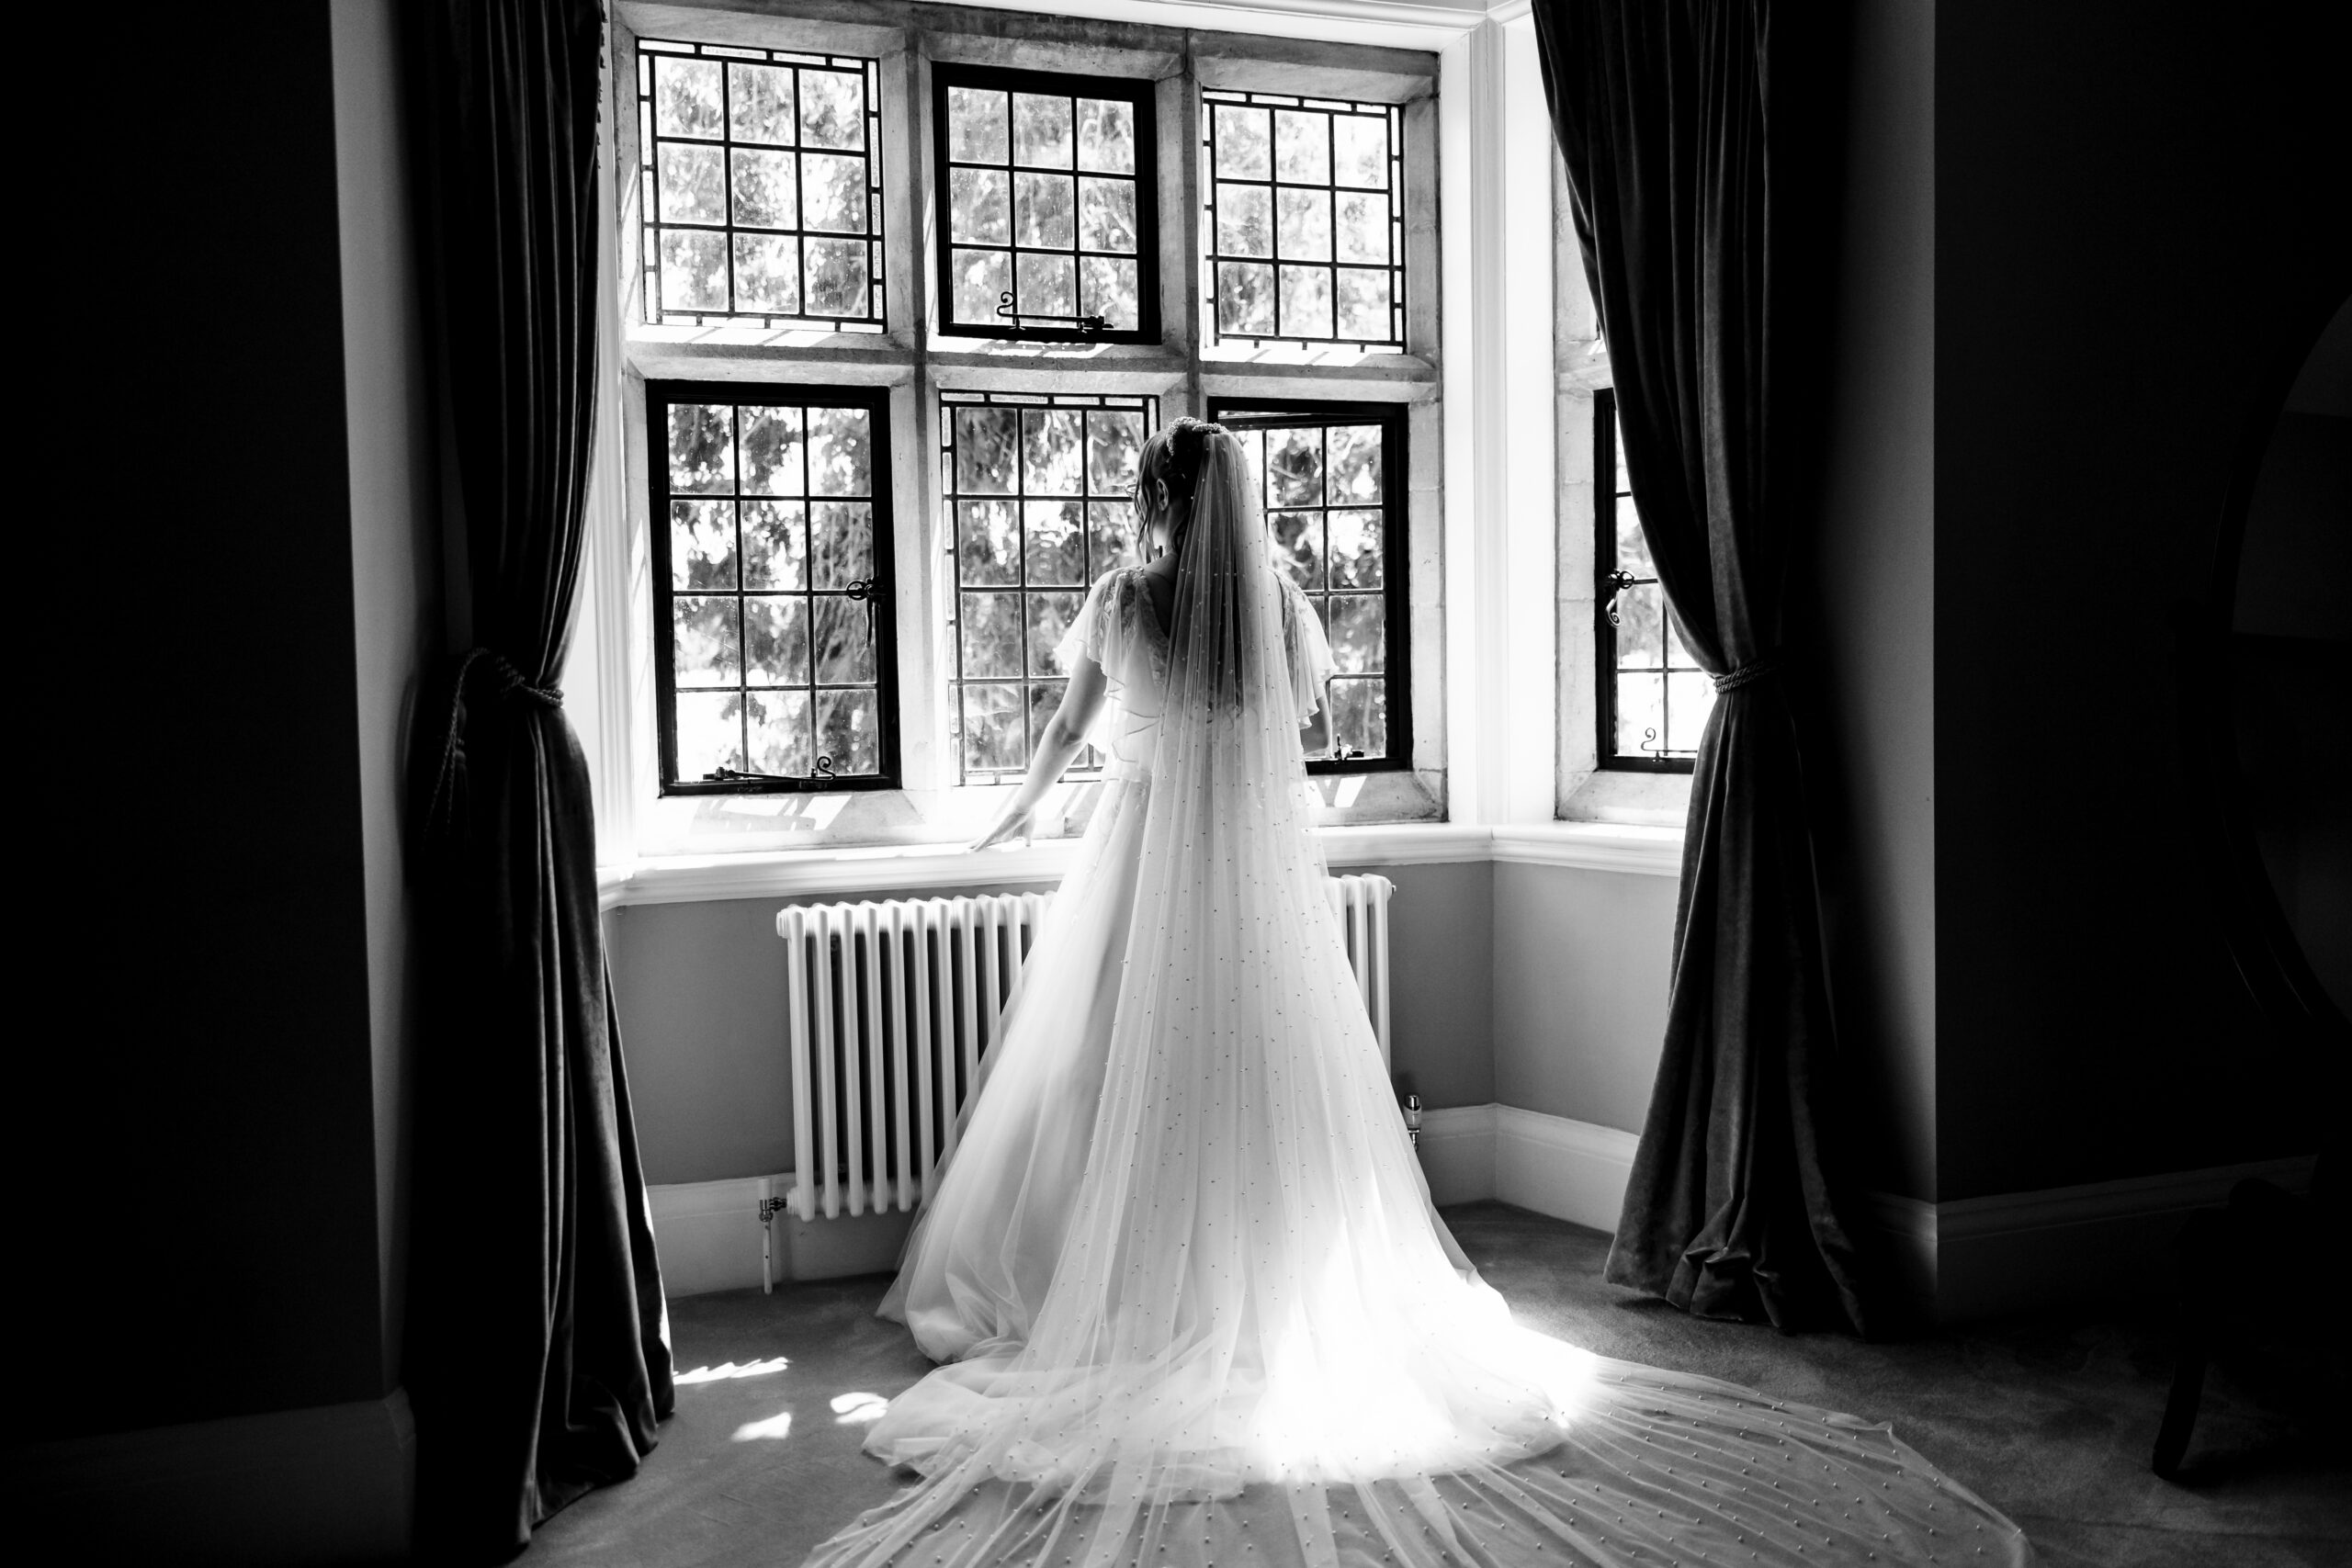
(1488, 712)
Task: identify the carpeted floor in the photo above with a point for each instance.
(2049, 1421)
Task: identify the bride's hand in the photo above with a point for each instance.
(1013, 824)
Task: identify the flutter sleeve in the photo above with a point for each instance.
(1310, 650)
(1086, 633)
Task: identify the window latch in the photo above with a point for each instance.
(1618, 582)
(1019, 318)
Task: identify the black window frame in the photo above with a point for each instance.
(881, 598)
(1395, 420)
(1606, 584)
(1212, 259)
(1143, 92)
(650, 51)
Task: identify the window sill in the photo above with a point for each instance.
(1628, 798)
(894, 868)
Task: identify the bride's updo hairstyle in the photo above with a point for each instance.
(1174, 455)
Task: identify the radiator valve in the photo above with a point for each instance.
(1413, 1118)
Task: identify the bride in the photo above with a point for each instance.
(1191, 1301)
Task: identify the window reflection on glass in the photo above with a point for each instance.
(771, 592)
(1045, 204)
(762, 184)
(1039, 491)
(1306, 220)
(1325, 485)
(1654, 698)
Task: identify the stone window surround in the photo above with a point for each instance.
(1470, 104)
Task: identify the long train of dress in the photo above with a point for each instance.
(1194, 1303)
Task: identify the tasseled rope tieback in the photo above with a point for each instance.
(507, 685)
(1753, 670)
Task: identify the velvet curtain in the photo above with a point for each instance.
(537, 1361)
(1693, 132)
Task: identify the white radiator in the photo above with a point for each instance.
(890, 1008)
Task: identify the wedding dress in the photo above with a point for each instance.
(1192, 1302)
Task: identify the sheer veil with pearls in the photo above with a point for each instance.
(1253, 1340)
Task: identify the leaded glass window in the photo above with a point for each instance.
(1305, 219)
(772, 586)
(1654, 697)
(1040, 492)
(1047, 210)
(1332, 477)
(762, 180)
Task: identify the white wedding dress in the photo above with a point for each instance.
(1192, 1302)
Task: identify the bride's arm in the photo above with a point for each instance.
(1065, 734)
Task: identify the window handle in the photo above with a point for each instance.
(1004, 308)
(1618, 582)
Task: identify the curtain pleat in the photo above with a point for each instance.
(537, 1354)
(1694, 169)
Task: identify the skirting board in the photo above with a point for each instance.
(2014, 1252)
(708, 1238)
(1568, 1169)
(328, 1483)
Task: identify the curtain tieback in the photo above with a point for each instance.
(507, 685)
(1753, 670)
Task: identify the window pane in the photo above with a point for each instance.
(1041, 131)
(843, 636)
(1360, 715)
(1306, 302)
(1362, 304)
(685, 98)
(1641, 715)
(990, 634)
(690, 183)
(1050, 616)
(779, 726)
(1362, 144)
(1114, 443)
(1639, 644)
(1110, 537)
(1045, 211)
(1106, 135)
(1355, 546)
(1633, 550)
(1245, 299)
(702, 544)
(1108, 289)
(1362, 228)
(764, 192)
(993, 741)
(982, 279)
(1303, 147)
(710, 732)
(709, 647)
(1243, 143)
(987, 542)
(1305, 226)
(1045, 285)
(841, 542)
(1355, 462)
(833, 109)
(694, 270)
(775, 640)
(1298, 545)
(1358, 633)
(1294, 467)
(1056, 531)
(1107, 215)
(767, 274)
(841, 452)
(1245, 220)
(772, 451)
(1049, 451)
(980, 206)
(775, 544)
(760, 103)
(848, 734)
(832, 193)
(702, 447)
(985, 444)
(976, 130)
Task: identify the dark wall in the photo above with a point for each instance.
(196, 1115)
(2137, 209)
